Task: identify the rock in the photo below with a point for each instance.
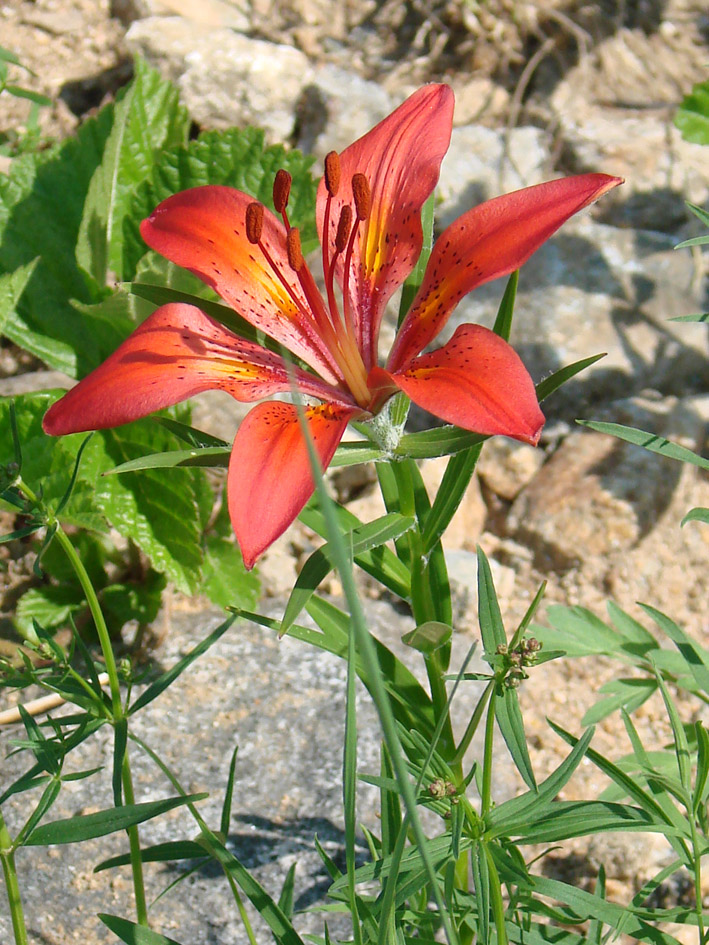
(336, 108)
(213, 13)
(226, 79)
(595, 288)
(467, 524)
(598, 496)
(482, 163)
(463, 575)
(479, 98)
(506, 466)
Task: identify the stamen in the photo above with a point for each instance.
(332, 173)
(281, 190)
(254, 222)
(295, 253)
(362, 196)
(343, 229)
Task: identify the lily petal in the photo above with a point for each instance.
(478, 382)
(177, 352)
(270, 477)
(204, 230)
(401, 159)
(487, 242)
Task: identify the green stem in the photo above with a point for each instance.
(498, 906)
(99, 621)
(7, 855)
(136, 862)
(486, 793)
(472, 725)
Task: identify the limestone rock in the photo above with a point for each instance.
(226, 79)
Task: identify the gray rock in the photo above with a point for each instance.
(594, 288)
(226, 79)
(482, 163)
(336, 108)
(282, 702)
(215, 13)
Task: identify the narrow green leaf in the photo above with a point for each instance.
(188, 434)
(695, 656)
(509, 720)
(225, 821)
(456, 480)
(701, 777)
(491, 627)
(628, 693)
(285, 900)
(440, 441)
(696, 515)
(503, 321)
(363, 538)
(103, 822)
(481, 883)
(167, 852)
(216, 456)
(649, 441)
(681, 746)
(428, 637)
(413, 283)
(167, 678)
(555, 380)
(147, 118)
(132, 933)
(697, 317)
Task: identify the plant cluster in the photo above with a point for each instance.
(463, 872)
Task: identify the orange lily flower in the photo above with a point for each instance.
(368, 215)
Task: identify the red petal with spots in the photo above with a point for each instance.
(400, 158)
(270, 477)
(478, 382)
(176, 353)
(489, 241)
(204, 230)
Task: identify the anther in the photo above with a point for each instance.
(343, 229)
(281, 190)
(362, 196)
(332, 172)
(254, 222)
(295, 253)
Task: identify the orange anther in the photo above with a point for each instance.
(332, 172)
(281, 190)
(254, 222)
(362, 196)
(343, 229)
(295, 253)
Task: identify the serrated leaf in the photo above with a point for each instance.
(235, 158)
(692, 116)
(50, 606)
(103, 822)
(122, 603)
(147, 119)
(41, 201)
(225, 580)
(12, 285)
(164, 514)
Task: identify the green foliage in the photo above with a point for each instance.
(692, 116)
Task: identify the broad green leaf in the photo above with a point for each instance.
(692, 117)
(147, 119)
(12, 285)
(236, 158)
(50, 605)
(163, 513)
(132, 933)
(103, 822)
(49, 461)
(225, 580)
(41, 202)
(649, 441)
(363, 538)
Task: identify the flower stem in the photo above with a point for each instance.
(7, 855)
(136, 862)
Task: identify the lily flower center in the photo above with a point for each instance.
(335, 328)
